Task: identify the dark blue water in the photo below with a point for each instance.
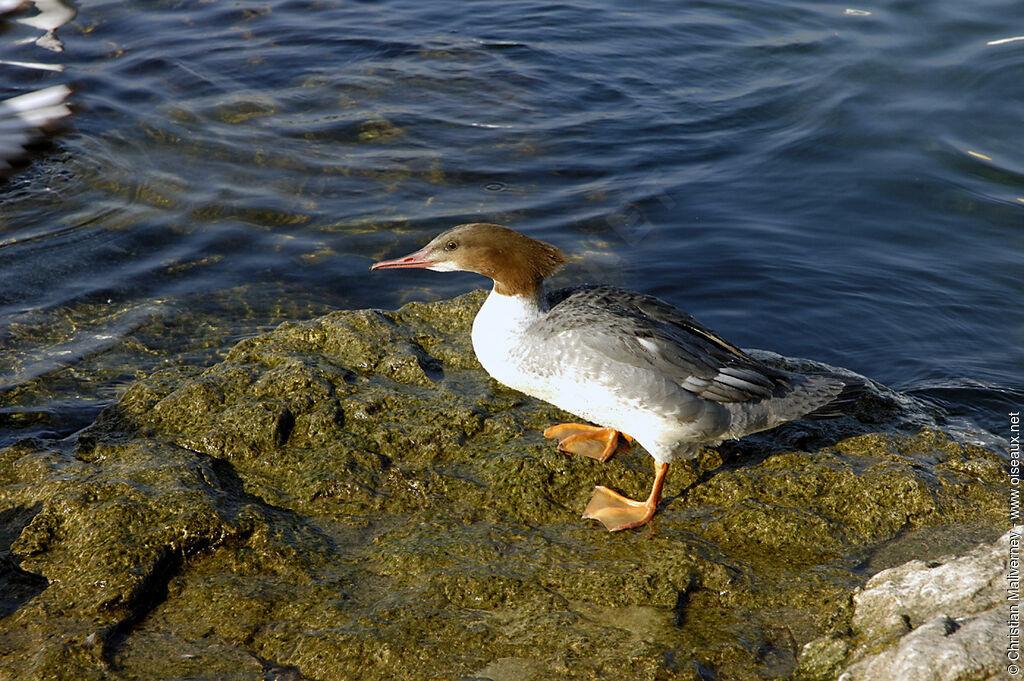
(834, 182)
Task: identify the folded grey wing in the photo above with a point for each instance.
(641, 331)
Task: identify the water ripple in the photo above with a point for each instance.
(825, 183)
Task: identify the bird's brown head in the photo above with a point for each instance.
(516, 263)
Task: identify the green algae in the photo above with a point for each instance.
(64, 366)
(352, 497)
(379, 130)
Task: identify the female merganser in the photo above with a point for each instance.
(626, 361)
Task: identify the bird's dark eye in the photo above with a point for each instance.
(450, 246)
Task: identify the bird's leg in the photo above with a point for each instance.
(617, 512)
(592, 441)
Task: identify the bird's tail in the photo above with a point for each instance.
(840, 404)
(813, 396)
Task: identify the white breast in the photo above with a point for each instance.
(499, 332)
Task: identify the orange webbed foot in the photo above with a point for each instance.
(617, 512)
(590, 441)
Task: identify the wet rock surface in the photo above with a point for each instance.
(353, 497)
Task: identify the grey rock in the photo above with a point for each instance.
(941, 649)
(941, 621)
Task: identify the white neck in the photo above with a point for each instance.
(499, 327)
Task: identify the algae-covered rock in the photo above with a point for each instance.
(353, 497)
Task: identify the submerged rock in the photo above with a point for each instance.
(353, 497)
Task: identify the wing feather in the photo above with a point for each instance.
(642, 331)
